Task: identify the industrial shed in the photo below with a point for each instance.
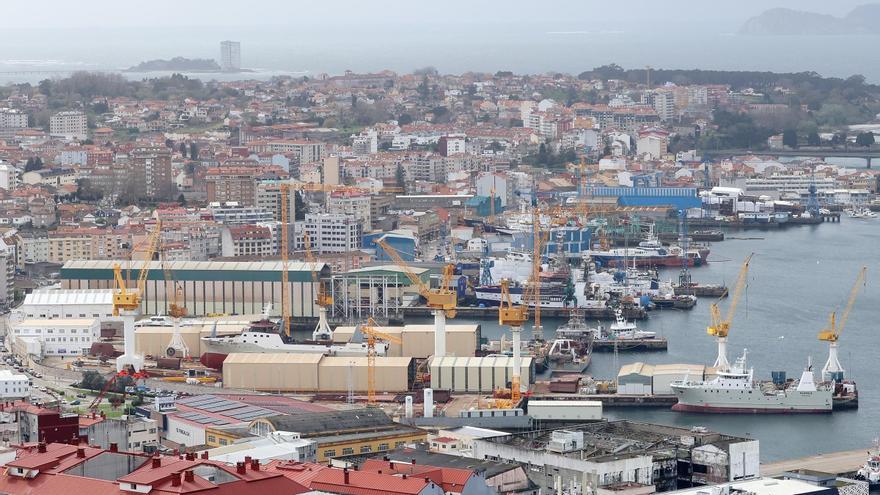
(666, 374)
(286, 372)
(229, 287)
(478, 374)
(152, 340)
(291, 372)
(418, 340)
(635, 379)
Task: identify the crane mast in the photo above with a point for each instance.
(374, 334)
(720, 327)
(833, 368)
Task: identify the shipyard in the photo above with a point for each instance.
(361, 248)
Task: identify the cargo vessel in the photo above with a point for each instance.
(735, 391)
(647, 253)
(265, 336)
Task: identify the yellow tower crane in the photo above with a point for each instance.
(513, 317)
(373, 334)
(442, 300)
(721, 327)
(832, 369)
(539, 241)
(127, 302)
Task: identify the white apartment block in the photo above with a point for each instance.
(7, 275)
(230, 55)
(329, 233)
(59, 337)
(14, 386)
(69, 125)
(8, 176)
(354, 204)
(664, 105)
(13, 119)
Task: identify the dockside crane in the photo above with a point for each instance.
(832, 369)
(513, 317)
(443, 300)
(322, 299)
(127, 303)
(176, 309)
(374, 334)
(720, 328)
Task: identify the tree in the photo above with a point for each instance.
(181, 199)
(813, 139)
(789, 138)
(92, 380)
(404, 119)
(169, 144)
(193, 151)
(182, 149)
(400, 176)
(865, 139)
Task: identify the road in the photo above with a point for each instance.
(833, 462)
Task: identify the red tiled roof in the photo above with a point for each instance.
(366, 483)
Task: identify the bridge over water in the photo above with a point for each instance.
(866, 154)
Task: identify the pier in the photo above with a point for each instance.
(837, 463)
(615, 400)
(489, 312)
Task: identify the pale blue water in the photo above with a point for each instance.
(535, 46)
(797, 277)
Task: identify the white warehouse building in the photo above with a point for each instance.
(14, 386)
(58, 337)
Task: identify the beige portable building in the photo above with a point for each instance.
(272, 372)
(293, 372)
(418, 340)
(478, 374)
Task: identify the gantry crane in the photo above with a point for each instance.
(443, 300)
(322, 299)
(284, 190)
(832, 368)
(176, 309)
(513, 317)
(374, 334)
(539, 241)
(127, 303)
(721, 327)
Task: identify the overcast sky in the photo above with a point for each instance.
(156, 13)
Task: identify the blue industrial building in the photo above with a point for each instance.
(572, 239)
(481, 206)
(680, 198)
(403, 244)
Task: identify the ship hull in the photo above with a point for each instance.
(645, 261)
(743, 410)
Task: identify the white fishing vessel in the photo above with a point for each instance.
(736, 391)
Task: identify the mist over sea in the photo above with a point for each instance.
(33, 54)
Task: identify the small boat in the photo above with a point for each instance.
(870, 471)
(624, 330)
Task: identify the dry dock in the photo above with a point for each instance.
(838, 463)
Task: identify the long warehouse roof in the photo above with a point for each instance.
(196, 270)
(59, 297)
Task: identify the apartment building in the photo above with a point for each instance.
(329, 233)
(69, 125)
(356, 204)
(231, 183)
(151, 172)
(247, 240)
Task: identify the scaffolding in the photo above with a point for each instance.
(358, 297)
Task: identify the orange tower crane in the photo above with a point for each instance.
(374, 334)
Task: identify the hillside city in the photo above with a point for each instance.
(335, 283)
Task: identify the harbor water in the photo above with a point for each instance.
(797, 277)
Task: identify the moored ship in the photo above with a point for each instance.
(264, 336)
(735, 391)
